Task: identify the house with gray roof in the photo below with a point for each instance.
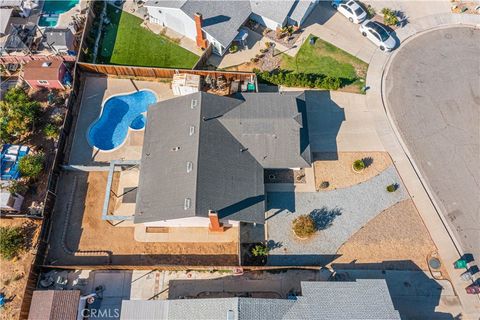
(323, 300)
(61, 40)
(204, 156)
(218, 22)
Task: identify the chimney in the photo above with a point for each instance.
(201, 41)
(215, 224)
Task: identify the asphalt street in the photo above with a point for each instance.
(433, 93)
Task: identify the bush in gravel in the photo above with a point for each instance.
(392, 187)
(11, 242)
(233, 48)
(260, 250)
(324, 185)
(389, 17)
(51, 131)
(304, 226)
(31, 165)
(358, 165)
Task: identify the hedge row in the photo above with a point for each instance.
(306, 80)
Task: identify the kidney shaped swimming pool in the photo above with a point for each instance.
(118, 115)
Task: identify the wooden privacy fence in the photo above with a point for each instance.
(150, 72)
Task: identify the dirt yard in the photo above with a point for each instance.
(339, 173)
(14, 273)
(397, 235)
(86, 231)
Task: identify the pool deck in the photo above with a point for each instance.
(95, 91)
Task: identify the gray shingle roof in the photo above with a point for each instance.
(363, 299)
(223, 18)
(211, 156)
(59, 37)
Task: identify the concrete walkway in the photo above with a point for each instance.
(448, 247)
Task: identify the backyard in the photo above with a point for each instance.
(125, 42)
(324, 58)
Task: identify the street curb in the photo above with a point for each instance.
(379, 66)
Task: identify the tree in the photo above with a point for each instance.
(18, 114)
(260, 250)
(389, 17)
(304, 226)
(51, 131)
(31, 165)
(11, 242)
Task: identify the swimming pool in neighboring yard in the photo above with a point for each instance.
(120, 113)
(52, 9)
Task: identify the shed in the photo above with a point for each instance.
(54, 305)
(183, 84)
(44, 73)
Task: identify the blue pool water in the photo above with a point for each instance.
(52, 9)
(119, 114)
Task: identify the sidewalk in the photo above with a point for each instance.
(390, 138)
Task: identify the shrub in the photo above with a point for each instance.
(304, 226)
(51, 131)
(260, 250)
(18, 114)
(370, 11)
(306, 80)
(11, 242)
(233, 48)
(389, 17)
(31, 165)
(392, 187)
(17, 187)
(268, 44)
(358, 165)
(263, 50)
(324, 185)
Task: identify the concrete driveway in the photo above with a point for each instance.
(340, 122)
(432, 89)
(327, 24)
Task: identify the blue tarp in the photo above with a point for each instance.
(11, 155)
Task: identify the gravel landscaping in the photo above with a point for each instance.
(339, 214)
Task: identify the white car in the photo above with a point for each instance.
(351, 9)
(376, 33)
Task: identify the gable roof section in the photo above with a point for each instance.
(205, 152)
(273, 127)
(208, 170)
(35, 70)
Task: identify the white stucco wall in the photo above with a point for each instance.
(174, 19)
(189, 222)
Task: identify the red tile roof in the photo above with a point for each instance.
(42, 70)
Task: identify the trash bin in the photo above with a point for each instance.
(460, 264)
(466, 276)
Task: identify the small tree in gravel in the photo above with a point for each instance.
(31, 165)
(11, 242)
(260, 250)
(304, 226)
(392, 187)
(358, 165)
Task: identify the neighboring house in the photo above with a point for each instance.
(21, 40)
(44, 74)
(61, 40)
(23, 8)
(55, 305)
(204, 156)
(5, 15)
(323, 300)
(218, 22)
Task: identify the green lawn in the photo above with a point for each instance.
(125, 42)
(325, 58)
